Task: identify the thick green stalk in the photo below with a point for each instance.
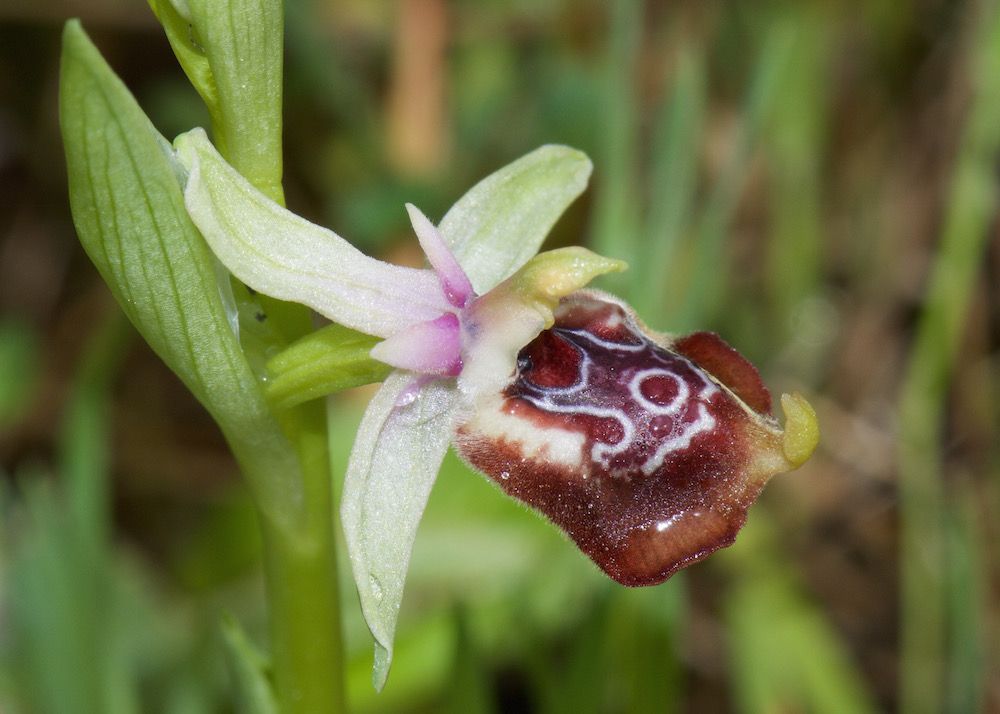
(300, 566)
(236, 65)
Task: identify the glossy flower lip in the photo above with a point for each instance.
(623, 438)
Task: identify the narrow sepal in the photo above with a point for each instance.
(282, 255)
(399, 447)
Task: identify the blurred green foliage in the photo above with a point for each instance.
(787, 173)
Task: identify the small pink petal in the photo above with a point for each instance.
(454, 282)
(432, 347)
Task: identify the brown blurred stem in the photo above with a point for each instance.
(416, 113)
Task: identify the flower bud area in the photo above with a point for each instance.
(645, 458)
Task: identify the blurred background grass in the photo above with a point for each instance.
(815, 180)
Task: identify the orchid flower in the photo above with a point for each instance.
(645, 449)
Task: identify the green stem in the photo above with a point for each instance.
(242, 42)
(301, 576)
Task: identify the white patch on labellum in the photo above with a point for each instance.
(550, 444)
(566, 446)
(601, 451)
(681, 441)
(620, 346)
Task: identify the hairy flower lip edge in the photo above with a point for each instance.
(767, 450)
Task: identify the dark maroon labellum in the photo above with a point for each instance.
(631, 447)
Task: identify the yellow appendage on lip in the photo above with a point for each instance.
(801, 429)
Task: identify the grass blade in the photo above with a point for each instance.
(972, 205)
(706, 285)
(674, 181)
(616, 219)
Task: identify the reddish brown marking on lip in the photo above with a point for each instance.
(550, 361)
(601, 319)
(614, 521)
(662, 481)
(727, 365)
(659, 390)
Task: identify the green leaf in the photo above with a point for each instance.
(84, 443)
(247, 668)
(129, 213)
(329, 360)
(502, 221)
(51, 600)
(63, 599)
(232, 53)
(615, 220)
(190, 52)
(706, 278)
(966, 234)
(785, 653)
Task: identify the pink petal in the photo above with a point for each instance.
(454, 282)
(432, 347)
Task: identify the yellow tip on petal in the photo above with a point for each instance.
(801, 429)
(554, 274)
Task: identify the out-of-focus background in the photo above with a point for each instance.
(815, 180)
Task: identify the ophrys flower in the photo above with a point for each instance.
(645, 449)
